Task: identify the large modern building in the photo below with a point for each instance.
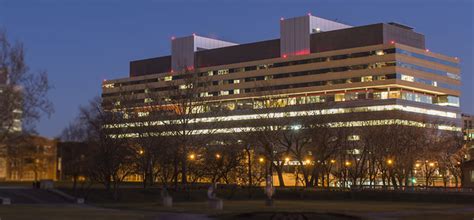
(368, 70)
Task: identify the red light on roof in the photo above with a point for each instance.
(282, 18)
(173, 37)
(284, 56)
(172, 70)
(392, 42)
(302, 52)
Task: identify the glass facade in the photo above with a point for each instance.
(428, 58)
(428, 70)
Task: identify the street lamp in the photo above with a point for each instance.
(192, 156)
(333, 161)
(347, 163)
(218, 156)
(261, 160)
(431, 164)
(307, 161)
(389, 162)
(141, 152)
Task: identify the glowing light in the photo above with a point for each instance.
(287, 159)
(282, 18)
(392, 42)
(309, 13)
(261, 159)
(417, 165)
(389, 162)
(218, 156)
(431, 164)
(284, 56)
(333, 161)
(347, 163)
(307, 161)
(194, 34)
(173, 38)
(427, 50)
(141, 152)
(192, 156)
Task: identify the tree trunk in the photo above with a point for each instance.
(280, 176)
(250, 172)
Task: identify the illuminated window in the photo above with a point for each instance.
(380, 95)
(353, 137)
(408, 78)
(379, 52)
(394, 95)
(108, 85)
(147, 100)
(224, 92)
(168, 78)
(223, 72)
(143, 114)
(366, 79)
(340, 97)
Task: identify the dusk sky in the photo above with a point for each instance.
(82, 42)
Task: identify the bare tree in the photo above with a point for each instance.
(111, 154)
(22, 93)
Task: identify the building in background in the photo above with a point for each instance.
(468, 130)
(29, 158)
(366, 71)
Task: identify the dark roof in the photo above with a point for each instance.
(319, 42)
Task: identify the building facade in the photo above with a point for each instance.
(29, 158)
(369, 70)
(468, 130)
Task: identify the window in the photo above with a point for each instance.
(339, 97)
(394, 95)
(224, 92)
(353, 137)
(380, 95)
(408, 78)
(366, 79)
(223, 72)
(168, 78)
(143, 114)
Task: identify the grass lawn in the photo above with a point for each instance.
(363, 209)
(72, 212)
(232, 209)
